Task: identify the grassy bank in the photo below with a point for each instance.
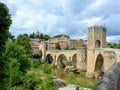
(43, 70)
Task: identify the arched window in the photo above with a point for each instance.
(97, 44)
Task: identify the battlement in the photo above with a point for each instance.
(96, 27)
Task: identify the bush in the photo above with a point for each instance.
(77, 88)
(47, 69)
(46, 84)
(31, 82)
(35, 65)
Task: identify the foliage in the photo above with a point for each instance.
(31, 82)
(16, 63)
(46, 84)
(114, 45)
(32, 35)
(35, 65)
(13, 73)
(15, 51)
(60, 35)
(47, 69)
(46, 37)
(24, 40)
(5, 22)
(57, 46)
(77, 88)
(40, 36)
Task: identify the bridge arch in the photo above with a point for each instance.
(74, 60)
(49, 58)
(97, 44)
(62, 61)
(99, 64)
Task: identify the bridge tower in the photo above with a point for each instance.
(96, 39)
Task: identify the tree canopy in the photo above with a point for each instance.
(24, 40)
(40, 36)
(60, 35)
(5, 22)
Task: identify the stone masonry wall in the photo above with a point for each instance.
(111, 79)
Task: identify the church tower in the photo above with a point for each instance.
(96, 39)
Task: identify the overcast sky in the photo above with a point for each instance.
(70, 17)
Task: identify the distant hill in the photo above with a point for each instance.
(60, 35)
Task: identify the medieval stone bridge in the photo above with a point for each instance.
(104, 58)
(96, 58)
(72, 56)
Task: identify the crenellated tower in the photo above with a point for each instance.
(96, 39)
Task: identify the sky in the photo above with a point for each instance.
(70, 17)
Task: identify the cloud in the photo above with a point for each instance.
(71, 17)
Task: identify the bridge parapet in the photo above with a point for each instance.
(63, 51)
(111, 79)
(108, 49)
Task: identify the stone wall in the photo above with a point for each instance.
(111, 79)
(67, 43)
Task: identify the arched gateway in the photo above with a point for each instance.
(62, 61)
(99, 64)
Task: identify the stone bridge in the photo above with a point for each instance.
(96, 58)
(104, 58)
(75, 57)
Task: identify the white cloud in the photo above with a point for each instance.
(91, 21)
(113, 38)
(71, 17)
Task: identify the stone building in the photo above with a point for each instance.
(63, 41)
(77, 43)
(67, 43)
(35, 42)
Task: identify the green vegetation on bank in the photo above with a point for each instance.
(114, 45)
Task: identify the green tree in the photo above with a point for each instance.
(32, 35)
(24, 40)
(57, 46)
(46, 37)
(41, 36)
(15, 51)
(60, 35)
(16, 64)
(5, 22)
